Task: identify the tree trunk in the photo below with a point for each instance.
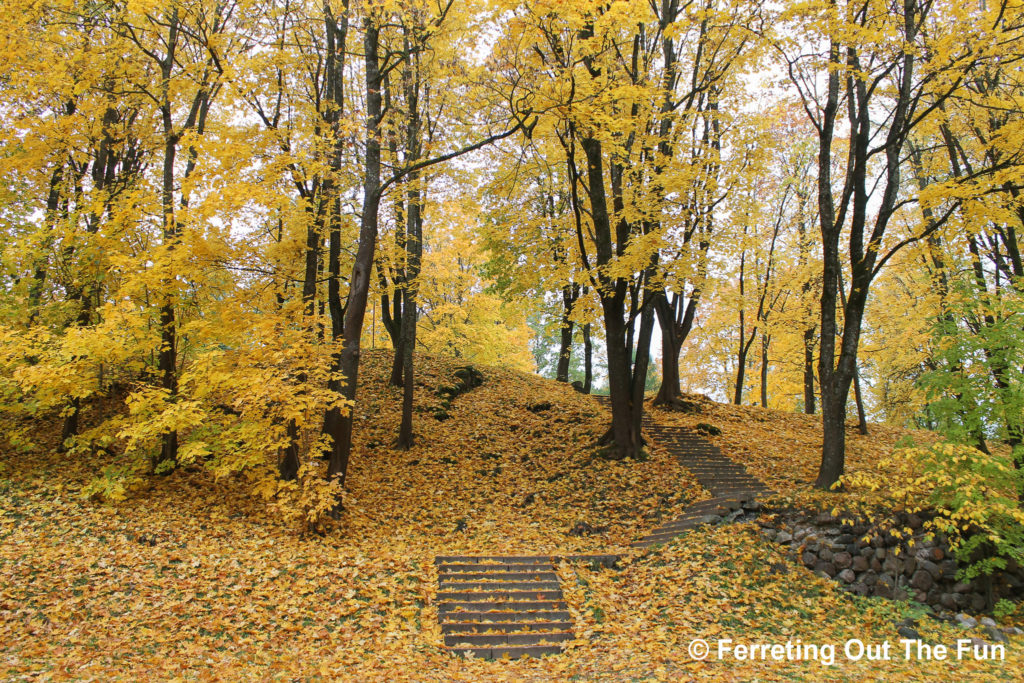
(675, 321)
(669, 393)
(741, 367)
(409, 314)
(862, 421)
(167, 364)
(588, 360)
(623, 439)
(413, 247)
(809, 371)
(565, 346)
(765, 341)
(362, 267)
(640, 364)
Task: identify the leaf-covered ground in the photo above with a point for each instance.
(194, 579)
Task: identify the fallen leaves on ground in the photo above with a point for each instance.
(194, 579)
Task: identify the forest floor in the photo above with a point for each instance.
(196, 579)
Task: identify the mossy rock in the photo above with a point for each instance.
(709, 429)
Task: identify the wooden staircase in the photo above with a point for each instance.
(501, 606)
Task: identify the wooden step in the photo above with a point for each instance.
(500, 576)
(458, 586)
(507, 651)
(518, 606)
(517, 617)
(511, 596)
(505, 627)
(536, 638)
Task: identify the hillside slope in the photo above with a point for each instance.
(194, 578)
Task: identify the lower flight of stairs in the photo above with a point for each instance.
(501, 606)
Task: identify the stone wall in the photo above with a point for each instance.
(886, 565)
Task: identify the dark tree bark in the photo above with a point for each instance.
(675, 320)
(765, 342)
(413, 241)
(809, 370)
(569, 295)
(588, 360)
(624, 438)
(338, 422)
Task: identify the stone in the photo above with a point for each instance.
(908, 633)
(842, 560)
(914, 521)
(825, 554)
(847, 576)
(859, 589)
(826, 568)
(880, 553)
(875, 565)
(891, 565)
(884, 586)
(987, 621)
(995, 634)
(581, 529)
(809, 559)
(900, 594)
(948, 600)
(966, 621)
(1013, 631)
(783, 537)
(869, 578)
(867, 552)
(961, 587)
(948, 569)
(978, 602)
(860, 564)
(910, 566)
(770, 534)
(845, 539)
(931, 568)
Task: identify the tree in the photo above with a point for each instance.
(888, 93)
